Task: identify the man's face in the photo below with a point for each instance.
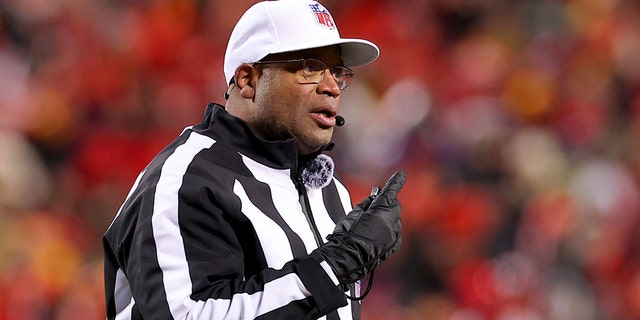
(287, 106)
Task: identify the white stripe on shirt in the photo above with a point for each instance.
(285, 199)
(166, 230)
(269, 233)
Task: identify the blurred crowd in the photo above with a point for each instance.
(516, 121)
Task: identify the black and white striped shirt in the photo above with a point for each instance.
(218, 226)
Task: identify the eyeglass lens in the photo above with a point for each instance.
(313, 70)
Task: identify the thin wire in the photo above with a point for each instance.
(366, 292)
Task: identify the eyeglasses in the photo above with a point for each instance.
(313, 71)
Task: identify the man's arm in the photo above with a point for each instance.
(191, 265)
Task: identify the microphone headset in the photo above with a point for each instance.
(340, 121)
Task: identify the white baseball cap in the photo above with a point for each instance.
(290, 25)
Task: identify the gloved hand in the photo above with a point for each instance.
(366, 236)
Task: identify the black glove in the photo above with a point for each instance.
(367, 236)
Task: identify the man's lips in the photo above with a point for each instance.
(324, 118)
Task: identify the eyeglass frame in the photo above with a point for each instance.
(345, 71)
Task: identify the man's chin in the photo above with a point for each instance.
(305, 149)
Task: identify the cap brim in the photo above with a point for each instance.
(354, 52)
(357, 52)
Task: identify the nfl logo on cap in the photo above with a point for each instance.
(323, 15)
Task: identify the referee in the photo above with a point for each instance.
(241, 216)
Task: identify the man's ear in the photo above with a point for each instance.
(246, 77)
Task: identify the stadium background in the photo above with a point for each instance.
(517, 123)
